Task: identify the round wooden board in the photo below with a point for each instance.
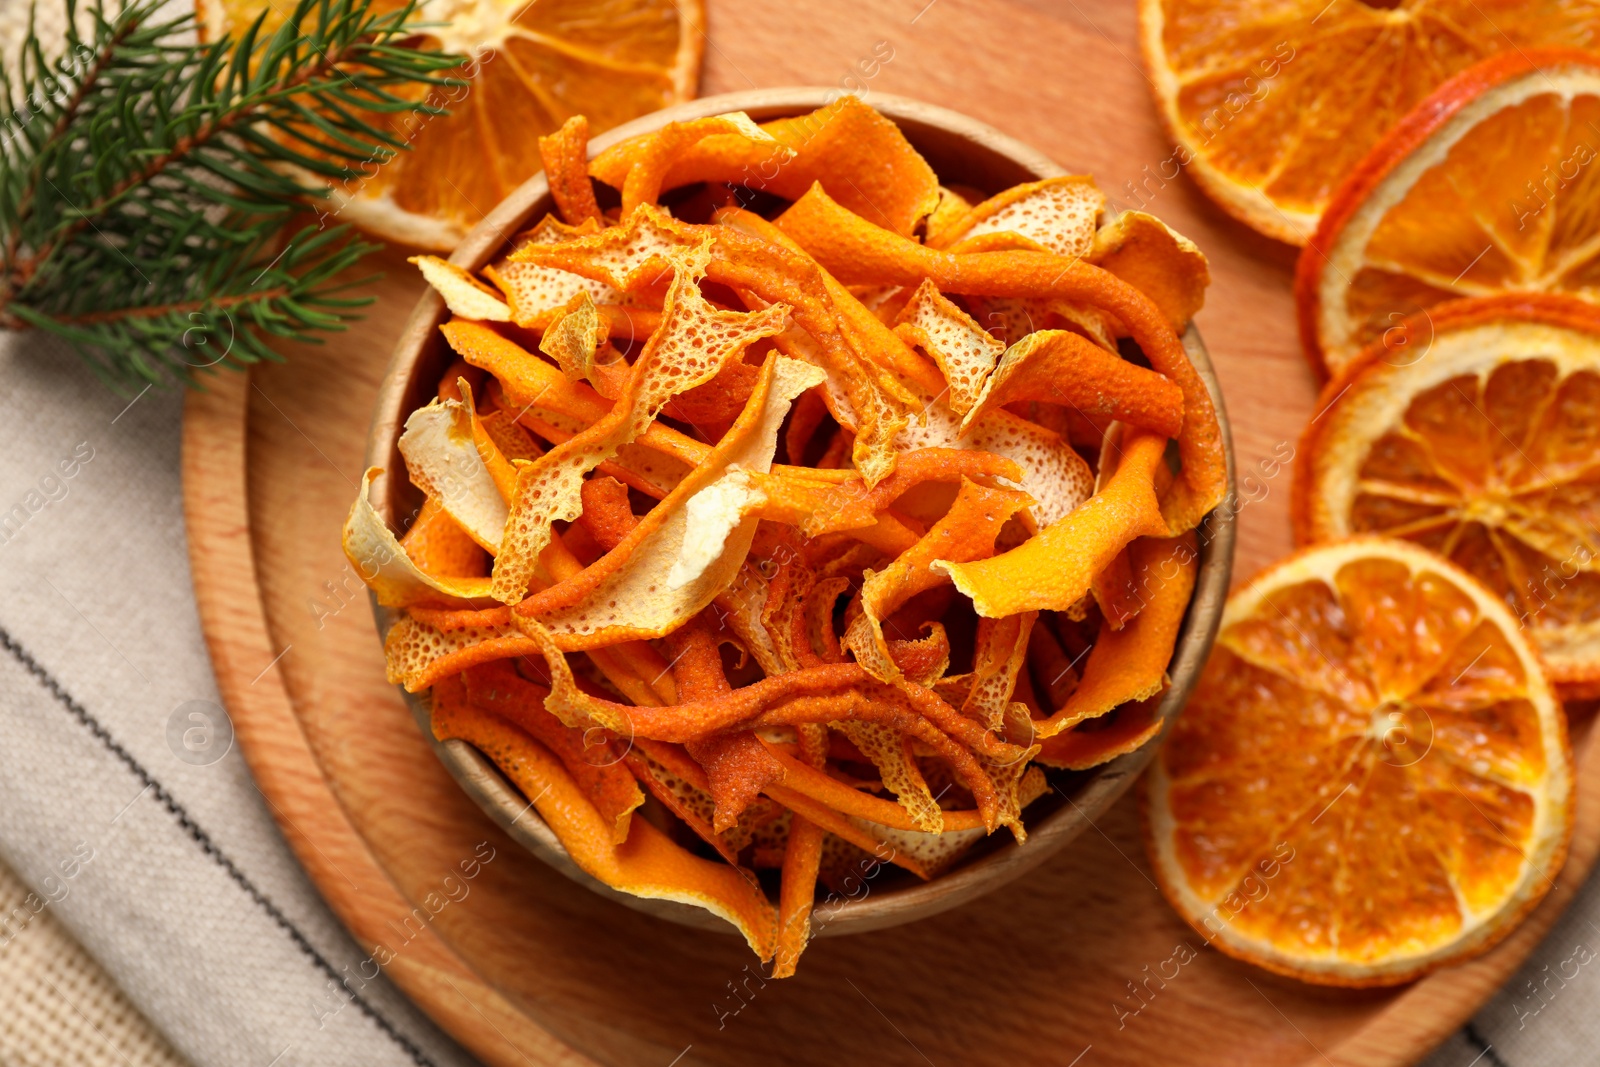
(530, 968)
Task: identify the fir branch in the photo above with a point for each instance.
(145, 179)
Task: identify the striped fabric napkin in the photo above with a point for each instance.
(127, 811)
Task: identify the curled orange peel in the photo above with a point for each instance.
(1065, 368)
(790, 580)
(966, 532)
(811, 781)
(853, 250)
(1013, 318)
(1006, 779)
(862, 158)
(886, 382)
(999, 656)
(1127, 729)
(865, 383)
(951, 210)
(819, 508)
(648, 864)
(1116, 591)
(924, 659)
(440, 446)
(463, 294)
(828, 694)
(556, 408)
(634, 667)
(797, 892)
(1056, 215)
(893, 753)
(501, 472)
(870, 337)
(593, 760)
(1130, 664)
(431, 643)
(1052, 570)
(1051, 470)
(639, 254)
(565, 155)
(1157, 260)
(607, 513)
(737, 769)
(764, 274)
(858, 832)
(965, 352)
(534, 292)
(819, 625)
(388, 569)
(740, 607)
(708, 408)
(418, 653)
(736, 766)
(817, 694)
(458, 369)
(439, 546)
(679, 783)
(694, 342)
(508, 436)
(656, 152)
(677, 558)
(572, 339)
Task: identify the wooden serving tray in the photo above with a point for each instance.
(529, 968)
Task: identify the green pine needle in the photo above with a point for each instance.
(145, 180)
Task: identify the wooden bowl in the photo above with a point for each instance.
(961, 151)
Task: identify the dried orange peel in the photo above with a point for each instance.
(1053, 570)
(1059, 215)
(395, 576)
(1129, 665)
(854, 250)
(847, 146)
(1062, 367)
(769, 520)
(648, 864)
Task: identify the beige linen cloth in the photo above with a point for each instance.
(162, 861)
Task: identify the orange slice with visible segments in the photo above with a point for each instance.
(1475, 431)
(535, 64)
(1372, 778)
(1272, 105)
(1490, 186)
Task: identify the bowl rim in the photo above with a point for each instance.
(996, 866)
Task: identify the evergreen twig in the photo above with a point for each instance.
(145, 180)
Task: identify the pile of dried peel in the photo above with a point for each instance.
(704, 666)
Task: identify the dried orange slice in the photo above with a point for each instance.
(1475, 431)
(536, 64)
(1489, 186)
(1372, 778)
(1272, 105)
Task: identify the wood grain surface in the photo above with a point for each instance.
(528, 968)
